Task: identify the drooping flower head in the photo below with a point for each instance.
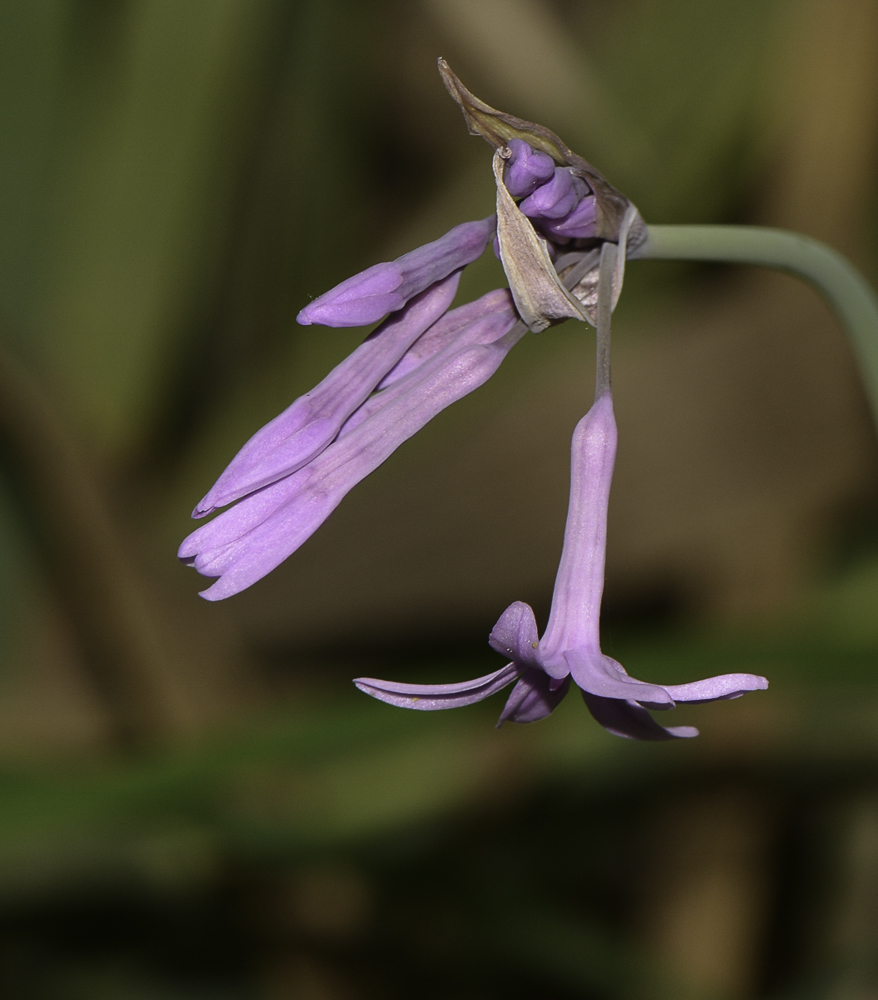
(562, 233)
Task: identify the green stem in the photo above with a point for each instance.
(850, 296)
(605, 311)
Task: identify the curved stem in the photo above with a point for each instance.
(850, 296)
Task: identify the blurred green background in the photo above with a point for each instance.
(194, 801)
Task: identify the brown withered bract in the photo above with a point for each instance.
(539, 296)
(497, 128)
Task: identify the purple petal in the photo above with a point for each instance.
(434, 697)
(555, 199)
(359, 300)
(721, 688)
(578, 225)
(515, 635)
(603, 676)
(481, 331)
(526, 169)
(307, 426)
(480, 322)
(533, 699)
(433, 261)
(244, 543)
(576, 602)
(629, 720)
(384, 288)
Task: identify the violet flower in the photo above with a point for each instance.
(464, 349)
(570, 646)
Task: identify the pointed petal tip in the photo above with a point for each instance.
(683, 732)
(724, 687)
(435, 697)
(303, 319)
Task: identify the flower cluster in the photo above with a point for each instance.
(562, 233)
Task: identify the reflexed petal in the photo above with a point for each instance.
(721, 688)
(383, 288)
(434, 697)
(631, 721)
(306, 427)
(244, 543)
(515, 635)
(603, 676)
(533, 699)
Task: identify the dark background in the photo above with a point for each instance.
(194, 801)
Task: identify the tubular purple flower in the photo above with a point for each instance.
(385, 288)
(243, 544)
(416, 291)
(570, 647)
(313, 421)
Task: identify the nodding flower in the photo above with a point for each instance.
(570, 647)
(562, 234)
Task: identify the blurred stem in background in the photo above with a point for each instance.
(849, 294)
(101, 593)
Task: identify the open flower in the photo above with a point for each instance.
(553, 212)
(570, 646)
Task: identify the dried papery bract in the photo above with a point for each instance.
(534, 279)
(498, 128)
(539, 295)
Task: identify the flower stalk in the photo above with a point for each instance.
(832, 275)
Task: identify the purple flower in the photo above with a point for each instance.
(313, 421)
(570, 646)
(455, 355)
(385, 288)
